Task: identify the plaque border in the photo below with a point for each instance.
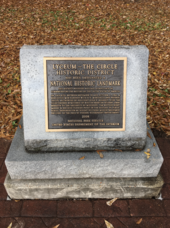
(85, 58)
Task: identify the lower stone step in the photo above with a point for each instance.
(67, 165)
(84, 188)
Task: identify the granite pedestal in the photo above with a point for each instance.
(47, 165)
(33, 99)
(63, 175)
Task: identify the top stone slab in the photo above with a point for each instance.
(33, 97)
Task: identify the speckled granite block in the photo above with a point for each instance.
(84, 188)
(32, 80)
(23, 165)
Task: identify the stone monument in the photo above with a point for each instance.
(77, 101)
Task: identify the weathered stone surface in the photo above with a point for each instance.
(24, 165)
(32, 79)
(84, 144)
(84, 188)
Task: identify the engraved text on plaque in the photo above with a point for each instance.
(85, 94)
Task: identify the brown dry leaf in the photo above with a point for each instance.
(56, 226)
(20, 126)
(110, 202)
(148, 134)
(17, 201)
(148, 150)
(138, 150)
(139, 221)
(101, 155)
(22, 25)
(108, 224)
(154, 144)
(82, 158)
(118, 150)
(10, 225)
(98, 151)
(16, 117)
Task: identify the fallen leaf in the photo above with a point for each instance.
(16, 117)
(148, 154)
(56, 226)
(82, 158)
(118, 150)
(20, 126)
(108, 224)
(149, 135)
(98, 151)
(154, 144)
(148, 150)
(101, 155)
(110, 202)
(139, 221)
(138, 150)
(25, 28)
(17, 201)
(10, 225)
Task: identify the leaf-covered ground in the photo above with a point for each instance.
(85, 22)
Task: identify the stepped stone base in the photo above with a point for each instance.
(84, 188)
(23, 165)
(64, 175)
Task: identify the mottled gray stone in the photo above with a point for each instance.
(84, 188)
(32, 80)
(24, 165)
(84, 144)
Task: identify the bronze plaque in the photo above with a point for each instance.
(85, 94)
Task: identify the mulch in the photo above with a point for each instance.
(87, 22)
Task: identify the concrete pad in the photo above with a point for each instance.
(23, 165)
(84, 188)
